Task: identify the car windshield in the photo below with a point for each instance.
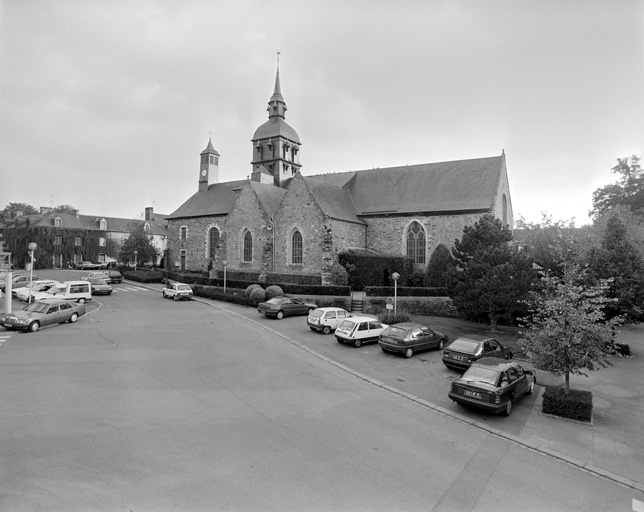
(52, 290)
(316, 313)
(479, 374)
(464, 345)
(398, 332)
(37, 307)
(97, 280)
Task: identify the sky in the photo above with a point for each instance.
(106, 105)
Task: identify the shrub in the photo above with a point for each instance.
(577, 405)
(416, 279)
(339, 275)
(257, 295)
(250, 289)
(274, 291)
(387, 316)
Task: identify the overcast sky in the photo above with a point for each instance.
(106, 105)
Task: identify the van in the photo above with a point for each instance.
(78, 291)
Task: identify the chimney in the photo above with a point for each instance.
(148, 212)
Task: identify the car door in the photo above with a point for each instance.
(297, 306)
(427, 338)
(522, 380)
(375, 328)
(494, 348)
(52, 315)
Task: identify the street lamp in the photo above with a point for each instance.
(395, 276)
(225, 264)
(135, 253)
(32, 247)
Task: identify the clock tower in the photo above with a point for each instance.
(209, 167)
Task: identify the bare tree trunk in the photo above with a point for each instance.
(567, 387)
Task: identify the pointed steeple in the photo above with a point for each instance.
(277, 105)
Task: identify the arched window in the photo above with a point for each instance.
(296, 248)
(416, 242)
(248, 247)
(213, 241)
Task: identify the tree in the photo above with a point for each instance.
(65, 208)
(549, 243)
(566, 331)
(139, 240)
(491, 277)
(440, 267)
(628, 191)
(12, 210)
(619, 259)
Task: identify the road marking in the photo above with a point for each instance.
(135, 289)
(4, 338)
(638, 506)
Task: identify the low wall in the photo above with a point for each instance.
(426, 306)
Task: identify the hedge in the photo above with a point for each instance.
(578, 405)
(403, 291)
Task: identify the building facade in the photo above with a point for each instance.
(280, 221)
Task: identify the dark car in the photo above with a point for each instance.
(463, 351)
(110, 276)
(409, 337)
(99, 285)
(279, 307)
(87, 265)
(42, 313)
(493, 385)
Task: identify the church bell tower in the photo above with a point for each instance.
(209, 167)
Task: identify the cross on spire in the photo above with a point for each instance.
(278, 60)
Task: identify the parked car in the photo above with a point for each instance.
(279, 307)
(87, 265)
(98, 285)
(409, 337)
(177, 291)
(326, 319)
(79, 291)
(36, 286)
(358, 330)
(20, 280)
(42, 313)
(493, 385)
(463, 351)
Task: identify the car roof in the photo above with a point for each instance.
(330, 308)
(52, 301)
(408, 325)
(475, 337)
(362, 319)
(498, 363)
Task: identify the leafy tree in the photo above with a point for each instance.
(12, 210)
(141, 241)
(619, 259)
(491, 277)
(566, 331)
(628, 191)
(65, 208)
(549, 243)
(440, 267)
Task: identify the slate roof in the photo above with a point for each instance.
(217, 200)
(457, 186)
(269, 195)
(276, 127)
(334, 201)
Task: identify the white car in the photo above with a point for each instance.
(326, 319)
(24, 292)
(358, 330)
(177, 291)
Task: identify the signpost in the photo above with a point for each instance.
(395, 276)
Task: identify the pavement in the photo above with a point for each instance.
(611, 446)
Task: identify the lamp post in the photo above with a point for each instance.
(395, 276)
(32, 247)
(135, 253)
(225, 264)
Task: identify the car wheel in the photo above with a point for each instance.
(508, 408)
(339, 340)
(165, 296)
(441, 344)
(409, 352)
(357, 343)
(326, 329)
(175, 297)
(280, 315)
(73, 318)
(531, 388)
(81, 300)
(312, 328)
(509, 356)
(34, 326)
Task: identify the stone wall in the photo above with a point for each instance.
(196, 243)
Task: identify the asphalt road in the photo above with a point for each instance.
(151, 404)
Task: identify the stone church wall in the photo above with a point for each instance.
(195, 244)
(387, 234)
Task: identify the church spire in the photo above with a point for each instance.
(277, 105)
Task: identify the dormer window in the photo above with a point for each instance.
(58, 222)
(103, 224)
(146, 226)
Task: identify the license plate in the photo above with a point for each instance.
(473, 394)
(460, 358)
(7, 325)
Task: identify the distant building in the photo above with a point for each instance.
(280, 221)
(67, 238)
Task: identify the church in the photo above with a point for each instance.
(279, 221)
